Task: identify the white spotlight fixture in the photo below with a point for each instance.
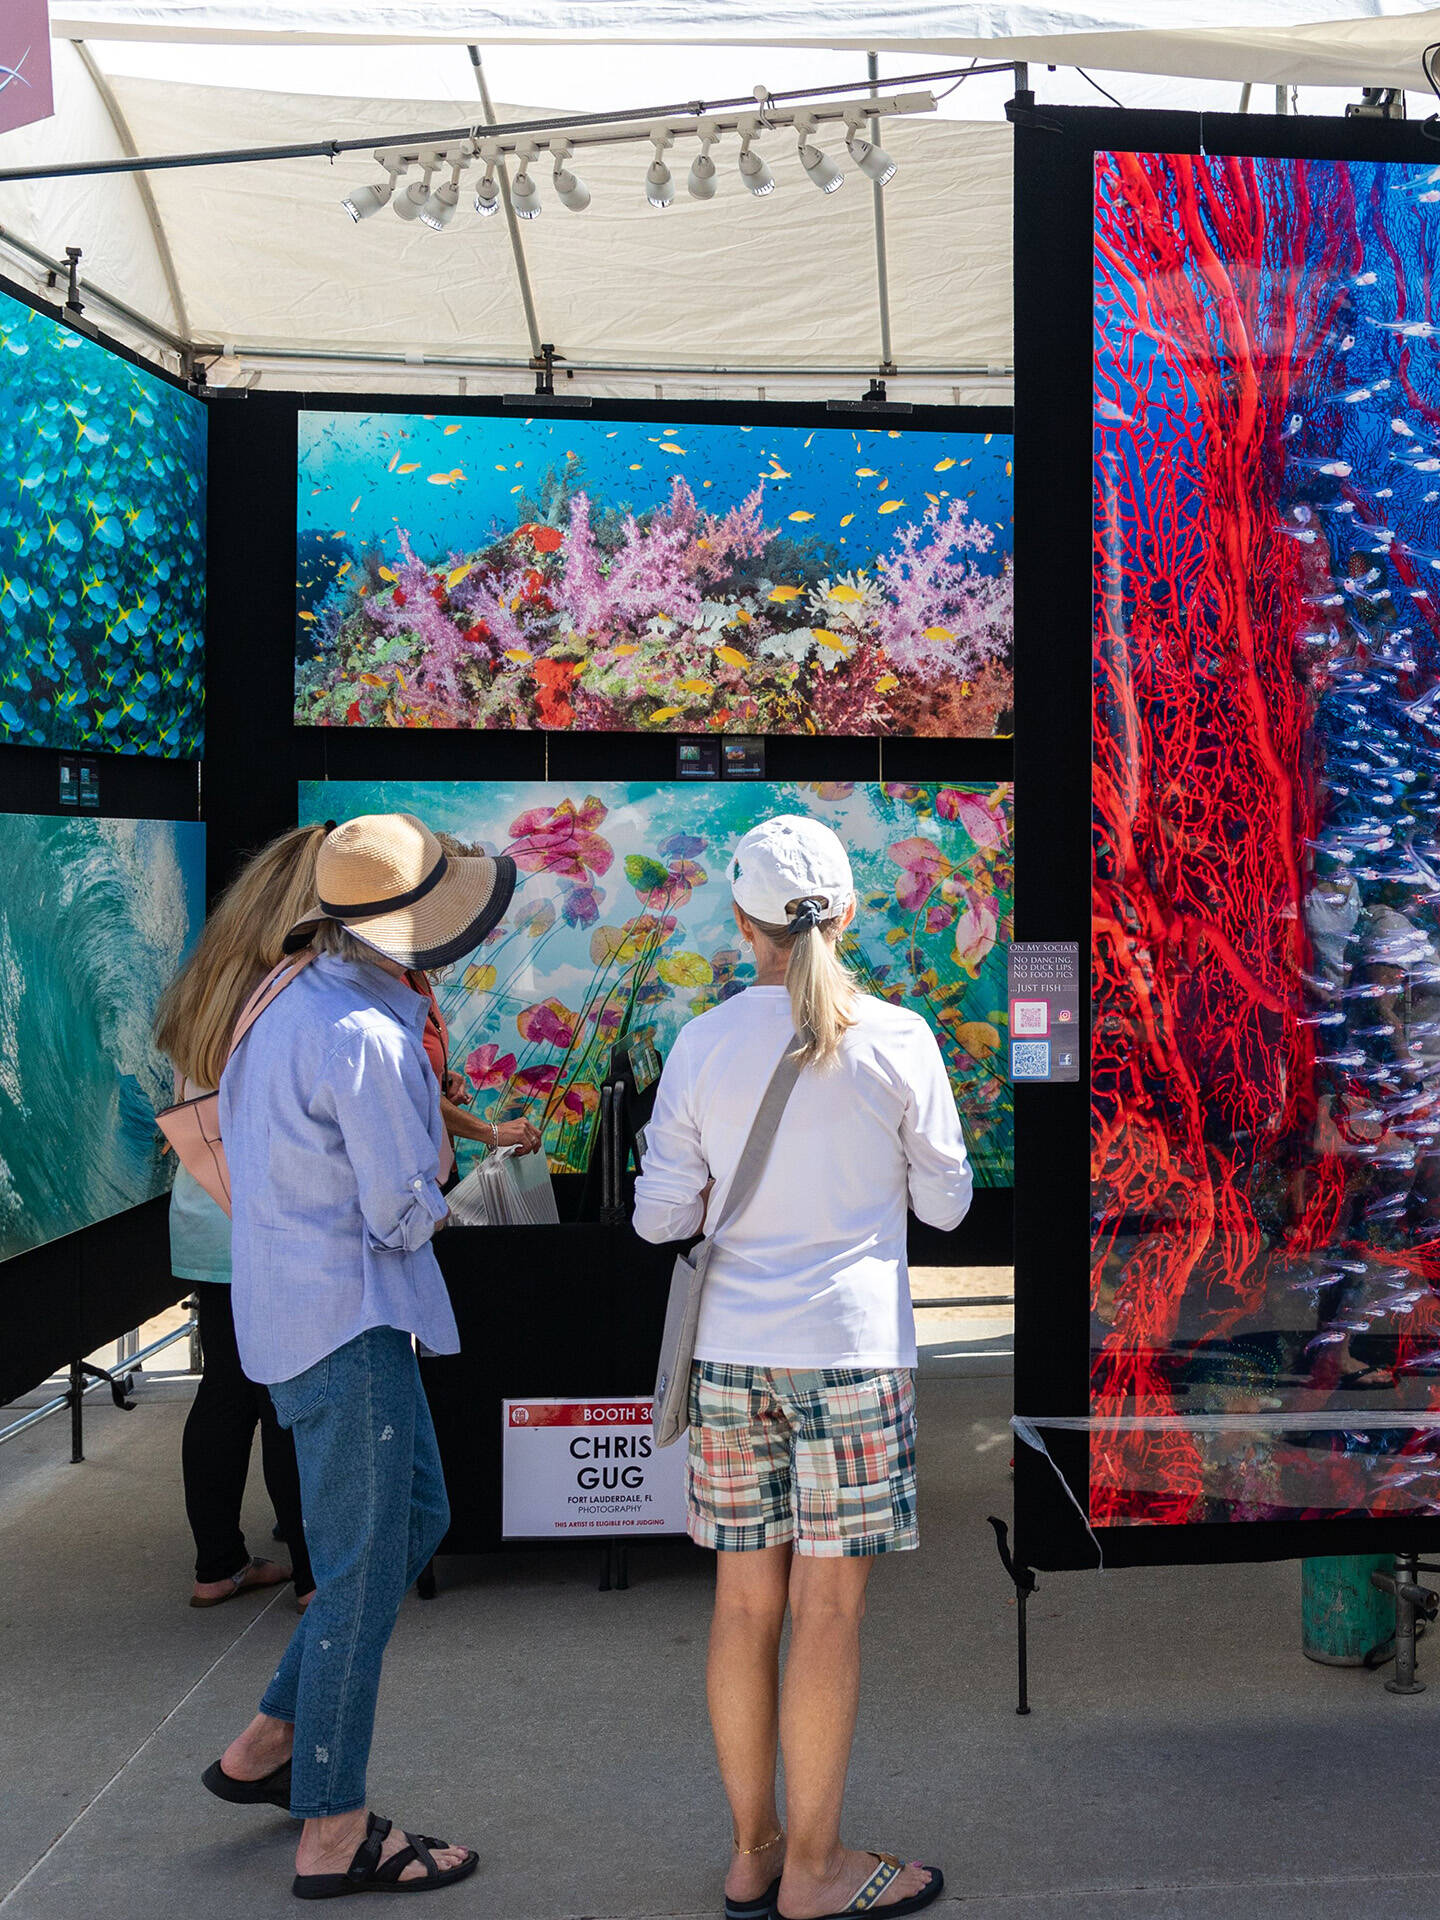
(524, 194)
(367, 200)
(414, 197)
(872, 160)
(821, 169)
(659, 187)
(439, 210)
(753, 170)
(487, 194)
(701, 184)
(570, 190)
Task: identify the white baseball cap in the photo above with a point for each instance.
(786, 860)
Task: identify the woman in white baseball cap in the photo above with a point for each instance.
(802, 1404)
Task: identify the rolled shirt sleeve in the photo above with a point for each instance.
(668, 1205)
(383, 1099)
(940, 1180)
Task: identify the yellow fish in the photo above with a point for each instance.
(441, 479)
(809, 438)
(944, 466)
(830, 640)
(696, 686)
(410, 466)
(386, 574)
(665, 713)
(886, 683)
(622, 653)
(669, 446)
(517, 489)
(457, 574)
(785, 593)
(634, 466)
(938, 633)
(844, 593)
(518, 655)
(846, 518)
(866, 473)
(1009, 468)
(890, 506)
(882, 486)
(732, 656)
(340, 572)
(743, 616)
(307, 616)
(777, 472)
(965, 463)
(371, 680)
(705, 544)
(799, 514)
(933, 496)
(500, 467)
(394, 462)
(988, 438)
(355, 504)
(894, 433)
(455, 428)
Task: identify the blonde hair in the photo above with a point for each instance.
(821, 987)
(239, 944)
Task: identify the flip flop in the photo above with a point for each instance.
(761, 1909)
(367, 1874)
(867, 1900)
(273, 1790)
(242, 1582)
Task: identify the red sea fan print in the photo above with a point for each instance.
(1265, 1198)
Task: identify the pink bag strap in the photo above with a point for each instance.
(269, 989)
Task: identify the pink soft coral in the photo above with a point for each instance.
(941, 613)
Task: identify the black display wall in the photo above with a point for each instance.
(255, 755)
(1055, 344)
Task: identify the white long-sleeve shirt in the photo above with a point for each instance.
(813, 1271)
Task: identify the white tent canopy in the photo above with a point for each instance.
(259, 263)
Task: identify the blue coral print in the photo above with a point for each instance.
(102, 547)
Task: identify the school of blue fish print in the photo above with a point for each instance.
(102, 547)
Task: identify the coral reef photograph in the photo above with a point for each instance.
(619, 576)
(622, 921)
(102, 547)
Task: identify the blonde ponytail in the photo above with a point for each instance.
(822, 989)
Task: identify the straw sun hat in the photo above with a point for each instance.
(387, 879)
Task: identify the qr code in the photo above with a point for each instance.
(1030, 1018)
(1030, 1059)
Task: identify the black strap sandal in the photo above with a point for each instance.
(366, 1873)
(271, 1791)
(761, 1909)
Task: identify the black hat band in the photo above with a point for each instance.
(372, 909)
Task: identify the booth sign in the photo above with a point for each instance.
(581, 1467)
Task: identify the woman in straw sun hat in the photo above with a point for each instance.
(802, 1407)
(331, 1118)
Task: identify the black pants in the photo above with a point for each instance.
(215, 1453)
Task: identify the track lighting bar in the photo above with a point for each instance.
(492, 147)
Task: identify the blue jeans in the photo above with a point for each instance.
(375, 1510)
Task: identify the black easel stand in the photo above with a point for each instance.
(80, 1372)
(1413, 1603)
(615, 1573)
(1024, 1583)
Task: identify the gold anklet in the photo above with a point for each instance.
(763, 1848)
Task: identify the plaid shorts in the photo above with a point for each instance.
(824, 1457)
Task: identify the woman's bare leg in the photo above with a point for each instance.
(817, 1729)
(743, 1686)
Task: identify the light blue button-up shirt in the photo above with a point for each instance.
(330, 1115)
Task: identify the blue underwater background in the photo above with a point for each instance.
(95, 917)
(102, 547)
(466, 474)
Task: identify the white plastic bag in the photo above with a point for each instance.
(507, 1189)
